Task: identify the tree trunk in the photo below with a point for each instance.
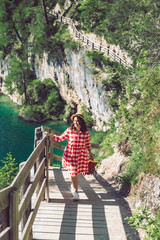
(45, 12)
(25, 89)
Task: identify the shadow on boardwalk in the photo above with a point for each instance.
(98, 215)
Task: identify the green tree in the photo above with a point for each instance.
(44, 102)
(19, 77)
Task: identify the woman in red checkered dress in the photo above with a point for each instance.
(75, 156)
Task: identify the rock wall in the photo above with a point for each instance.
(4, 70)
(76, 83)
(148, 192)
(145, 193)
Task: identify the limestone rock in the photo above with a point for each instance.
(148, 192)
(76, 83)
(112, 167)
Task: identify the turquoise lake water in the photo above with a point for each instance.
(17, 135)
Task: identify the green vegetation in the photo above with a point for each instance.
(134, 94)
(115, 75)
(8, 170)
(104, 141)
(142, 123)
(132, 24)
(142, 218)
(44, 101)
(88, 117)
(28, 29)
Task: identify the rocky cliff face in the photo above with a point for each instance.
(76, 83)
(4, 70)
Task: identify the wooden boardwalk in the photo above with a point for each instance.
(98, 215)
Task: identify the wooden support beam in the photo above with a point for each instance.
(4, 235)
(28, 208)
(57, 158)
(13, 214)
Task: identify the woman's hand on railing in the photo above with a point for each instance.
(47, 134)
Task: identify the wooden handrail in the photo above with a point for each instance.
(16, 200)
(94, 45)
(14, 205)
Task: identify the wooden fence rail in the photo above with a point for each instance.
(93, 45)
(17, 210)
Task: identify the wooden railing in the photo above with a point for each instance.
(17, 208)
(55, 145)
(93, 45)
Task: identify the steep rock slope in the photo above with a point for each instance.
(76, 83)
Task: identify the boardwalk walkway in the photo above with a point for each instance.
(98, 215)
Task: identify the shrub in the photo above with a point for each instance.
(33, 113)
(8, 170)
(88, 116)
(142, 218)
(45, 101)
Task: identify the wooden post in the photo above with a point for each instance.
(47, 167)
(13, 215)
(42, 155)
(51, 151)
(108, 50)
(28, 211)
(37, 136)
(92, 45)
(114, 54)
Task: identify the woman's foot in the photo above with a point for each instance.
(76, 196)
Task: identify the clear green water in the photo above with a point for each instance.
(17, 135)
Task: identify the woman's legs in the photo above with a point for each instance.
(75, 182)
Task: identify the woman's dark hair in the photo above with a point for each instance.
(82, 124)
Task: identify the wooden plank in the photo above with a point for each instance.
(32, 216)
(87, 230)
(93, 219)
(68, 216)
(57, 158)
(58, 146)
(4, 198)
(41, 221)
(4, 235)
(47, 129)
(21, 177)
(64, 236)
(29, 192)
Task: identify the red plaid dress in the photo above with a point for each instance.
(75, 157)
